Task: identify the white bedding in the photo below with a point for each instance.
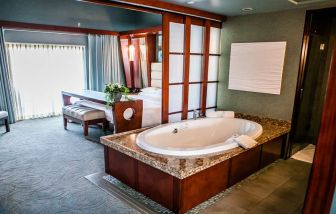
(151, 108)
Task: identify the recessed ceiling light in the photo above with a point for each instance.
(190, 2)
(246, 9)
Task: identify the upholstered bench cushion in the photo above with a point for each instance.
(83, 113)
(3, 114)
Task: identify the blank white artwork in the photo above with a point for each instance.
(176, 37)
(257, 67)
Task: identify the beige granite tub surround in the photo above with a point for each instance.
(184, 167)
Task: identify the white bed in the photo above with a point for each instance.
(151, 106)
(151, 97)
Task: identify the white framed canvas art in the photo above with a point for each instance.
(257, 67)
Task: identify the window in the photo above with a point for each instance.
(40, 72)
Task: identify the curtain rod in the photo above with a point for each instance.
(43, 44)
(41, 31)
(53, 28)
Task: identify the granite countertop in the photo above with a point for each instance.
(184, 167)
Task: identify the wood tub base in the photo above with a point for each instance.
(181, 195)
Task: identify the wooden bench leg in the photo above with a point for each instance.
(7, 125)
(65, 123)
(105, 125)
(86, 128)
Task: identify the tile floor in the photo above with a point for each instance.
(306, 154)
(279, 189)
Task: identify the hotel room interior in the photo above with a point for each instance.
(167, 106)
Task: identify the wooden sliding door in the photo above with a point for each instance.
(191, 53)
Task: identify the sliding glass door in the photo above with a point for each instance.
(40, 72)
(191, 55)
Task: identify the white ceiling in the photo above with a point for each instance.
(233, 7)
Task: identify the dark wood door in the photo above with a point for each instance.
(323, 175)
(320, 28)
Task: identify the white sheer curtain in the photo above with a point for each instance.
(40, 72)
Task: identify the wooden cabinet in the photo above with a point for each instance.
(181, 195)
(203, 185)
(271, 151)
(155, 184)
(178, 195)
(244, 165)
(121, 166)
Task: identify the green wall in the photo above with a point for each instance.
(268, 27)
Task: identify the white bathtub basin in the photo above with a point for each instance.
(196, 137)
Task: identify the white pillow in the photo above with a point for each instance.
(151, 90)
(152, 95)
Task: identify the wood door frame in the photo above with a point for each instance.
(321, 186)
(206, 47)
(301, 75)
(302, 66)
(186, 61)
(322, 180)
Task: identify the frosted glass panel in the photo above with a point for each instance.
(176, 37)
(215, 40)
(213, 68)
(174, 118)
(196, 39)
(257, 67)
(211, 95)
(210, 110)
(175, 98)
(175, 68)
(190, 115)
(195, 72)
(194, 98)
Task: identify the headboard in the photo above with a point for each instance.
(156, 74)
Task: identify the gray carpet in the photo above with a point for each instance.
(42, 169)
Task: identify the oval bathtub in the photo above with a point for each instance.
(196, 137)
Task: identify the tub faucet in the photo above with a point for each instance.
(196, 114)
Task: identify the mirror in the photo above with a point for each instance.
(142, 58)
